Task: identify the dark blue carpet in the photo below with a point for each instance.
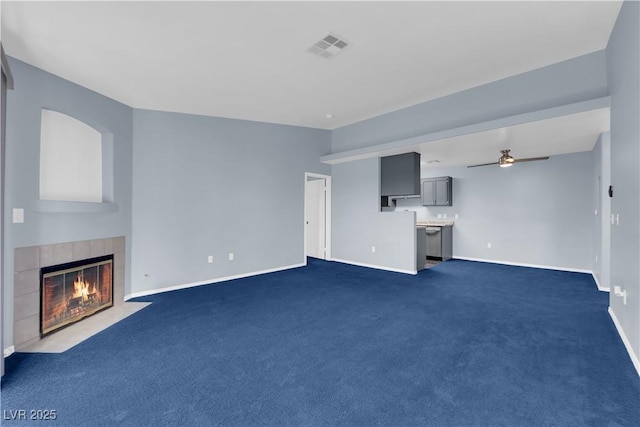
(461, 344)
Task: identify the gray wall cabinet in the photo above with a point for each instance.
(437, 191)
(400, 175)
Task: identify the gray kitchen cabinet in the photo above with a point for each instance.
(437, 191)
(400, 175)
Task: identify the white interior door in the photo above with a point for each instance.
(315, 221)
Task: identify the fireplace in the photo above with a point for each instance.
(72, 291)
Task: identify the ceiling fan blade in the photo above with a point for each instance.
(484, 164)
(530, 159)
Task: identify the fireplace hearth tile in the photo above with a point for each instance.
(97, 248)
(26, 306)
(26, 282)
(108, 246)
(62, 253)
(26, 259)
(118, 295)
(27, 343)
(119, 261)
(46, 255)
(118, 245)
(82, 250)
(25, 330)
(73, 335)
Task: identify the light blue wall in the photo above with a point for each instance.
(209, 186)
(358, 223)
(34, 90)
(623, 54)
(538, 213)
(575, 80)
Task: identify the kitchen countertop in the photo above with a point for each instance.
(435, 223)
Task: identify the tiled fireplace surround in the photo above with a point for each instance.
(27, 264)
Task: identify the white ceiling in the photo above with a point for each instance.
(248, 60)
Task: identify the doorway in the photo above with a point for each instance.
(317, 216)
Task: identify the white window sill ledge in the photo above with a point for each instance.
(55, 206)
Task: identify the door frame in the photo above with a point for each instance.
(605, 201)
(7, 83)
(327, 214)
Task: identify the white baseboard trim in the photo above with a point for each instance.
(600, 287)
(522, 264)
(210, 281)
(627, 344)
(377, 267)
(9, 351)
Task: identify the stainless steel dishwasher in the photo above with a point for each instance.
(439, 242)
(434, 242)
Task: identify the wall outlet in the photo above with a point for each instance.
(456, 216)
(444, 215)
(488, 245)
(231, 256)
(439, 216)
(596, 258)
(210, 259)
(373, 249)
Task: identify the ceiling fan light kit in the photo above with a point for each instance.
(505, 160)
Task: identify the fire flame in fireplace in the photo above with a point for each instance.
(81, 288)
(63, 304)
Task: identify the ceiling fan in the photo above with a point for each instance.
(507, 160)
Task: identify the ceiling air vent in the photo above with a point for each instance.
(329, 46)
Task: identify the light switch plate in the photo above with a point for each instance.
(18, 215)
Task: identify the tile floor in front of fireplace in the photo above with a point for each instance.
(72, 335)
